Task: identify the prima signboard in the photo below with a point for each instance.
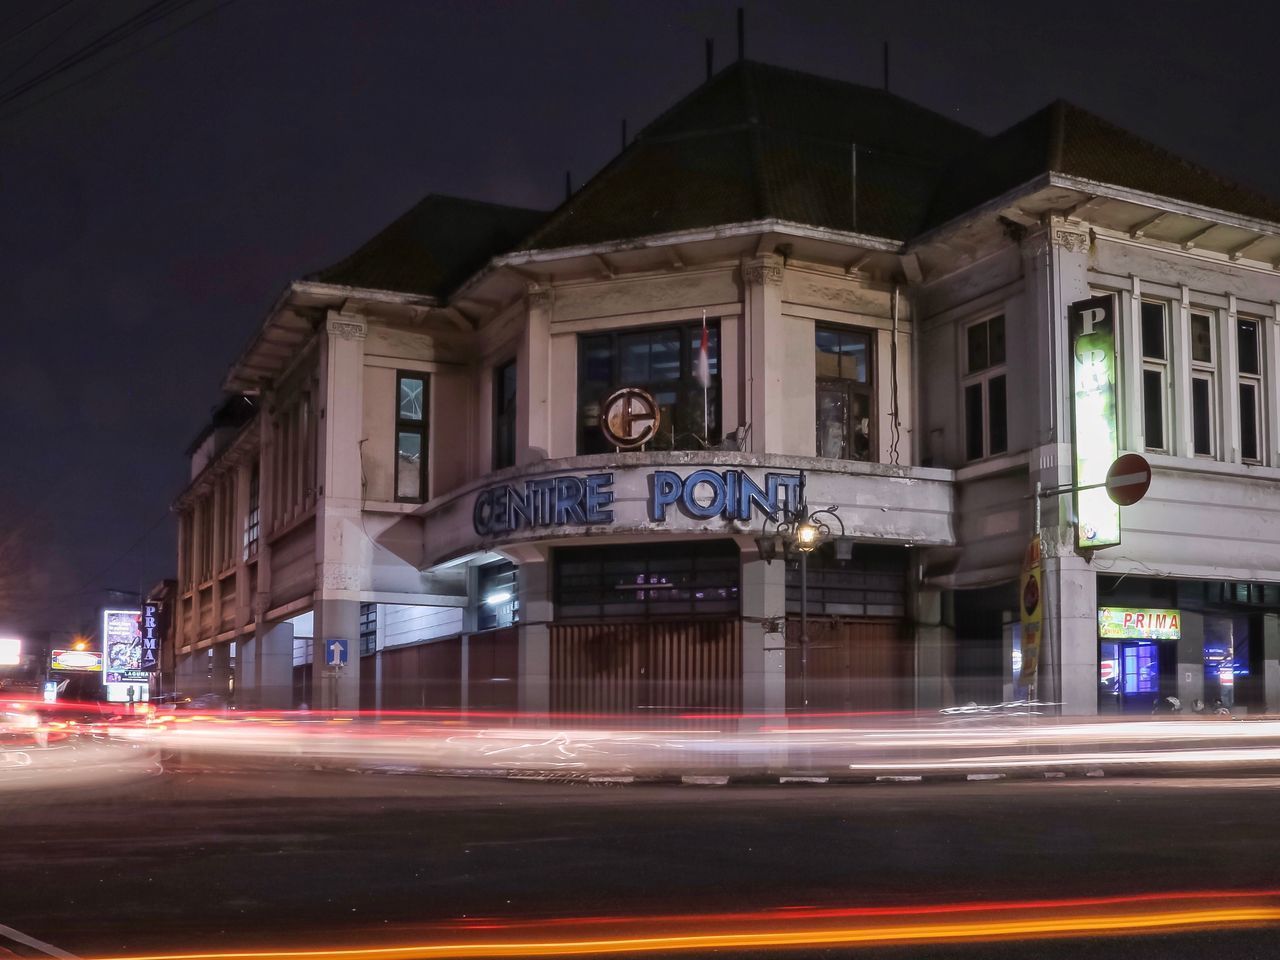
(121, 645)
(1125, 623)
(559, 501)
(149, 636)
(1094, 428)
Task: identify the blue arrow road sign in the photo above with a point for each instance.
(335, 653)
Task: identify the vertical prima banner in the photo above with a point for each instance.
(1094, 428)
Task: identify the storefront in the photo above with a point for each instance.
(1205, 643)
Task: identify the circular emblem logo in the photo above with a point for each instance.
(630, 418)
(1031, 596)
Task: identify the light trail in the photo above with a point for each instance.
(881, 927)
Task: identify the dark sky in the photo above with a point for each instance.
(152, 212)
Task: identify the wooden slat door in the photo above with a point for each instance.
(646, 667)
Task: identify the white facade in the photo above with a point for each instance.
(967, 395)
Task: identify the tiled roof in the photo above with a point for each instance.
(1063, 138)
(434, 247)
(758, 142)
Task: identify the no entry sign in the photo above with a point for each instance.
(1129, 479)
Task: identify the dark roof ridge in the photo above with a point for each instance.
(1066, 107)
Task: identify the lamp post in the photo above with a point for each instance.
(802, 531)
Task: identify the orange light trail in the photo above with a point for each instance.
(1051, 919)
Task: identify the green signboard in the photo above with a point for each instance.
(1094, 429)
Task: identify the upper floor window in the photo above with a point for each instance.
(411, 436)
(1204, 388)
(845, 394)
(986, 416)
(1155, 375)
(504, 415)
(1249, 362)
(663, 361)
(253, 516)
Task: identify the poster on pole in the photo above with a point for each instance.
(1031, 613)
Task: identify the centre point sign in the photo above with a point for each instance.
(589, 500)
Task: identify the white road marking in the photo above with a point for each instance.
(46, 948)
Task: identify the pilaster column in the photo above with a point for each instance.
(1056, 271)
(533, 379)
(342, 549)
(1190, 659)
(536, 614)
(766, 351)
(934, 652)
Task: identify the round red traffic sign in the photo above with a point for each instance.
(1129, 479)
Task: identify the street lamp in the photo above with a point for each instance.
(799, 530)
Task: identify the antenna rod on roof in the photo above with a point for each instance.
(711, 50)
(568, 186)
(886, 65)
(742, 33)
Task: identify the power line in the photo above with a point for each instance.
(36, 22)
(105, 41)
(105, 67)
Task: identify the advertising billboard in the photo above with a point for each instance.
(1094, 428)
(139, 691)
(10, 651)
(84, 660)
(121, 645)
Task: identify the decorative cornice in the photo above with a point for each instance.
(765, 270)
(538, 297)
(1073, 241)
(346, 327)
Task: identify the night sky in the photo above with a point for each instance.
(155, 208)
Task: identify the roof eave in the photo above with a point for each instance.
(524, 258)
(1169, 204)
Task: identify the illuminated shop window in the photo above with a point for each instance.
(499, 596)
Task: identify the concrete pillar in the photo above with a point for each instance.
(1271, 660)
(764, 658)
(336, 688)
(220, 666)
(193, 673)
(246, 671)
(1191, 659)
(1069, 644)
(934, 652)
(536, 614)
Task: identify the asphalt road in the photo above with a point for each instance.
(209, 858)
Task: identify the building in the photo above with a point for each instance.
(812, 280)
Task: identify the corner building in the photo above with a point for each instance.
(410, 466)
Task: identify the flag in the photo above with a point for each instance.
(703, 371)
